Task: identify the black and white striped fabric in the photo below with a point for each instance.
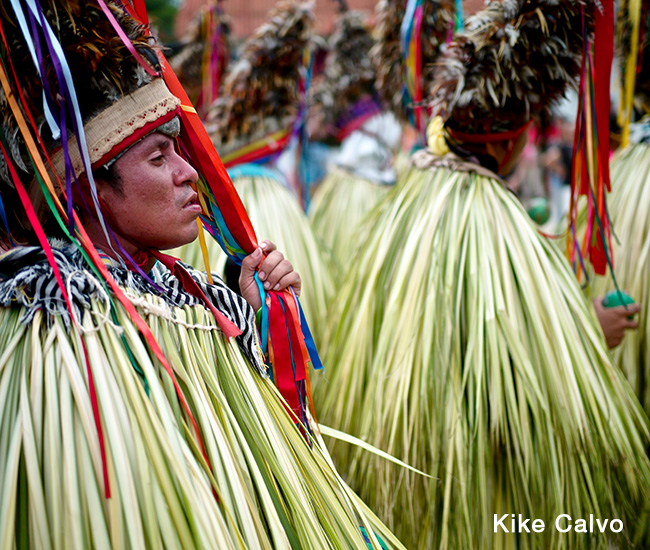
(27, 280)
(225, 300)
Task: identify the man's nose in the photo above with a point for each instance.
(185, 172)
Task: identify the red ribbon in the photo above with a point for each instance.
(229, 328)
(282, 351)
(603, 56)
(598, 175)
(493, 137)
(40, 234)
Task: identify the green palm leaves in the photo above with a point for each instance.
(466, 349)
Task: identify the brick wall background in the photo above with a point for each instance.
(247, 15)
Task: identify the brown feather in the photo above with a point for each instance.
(513, 61)
(260, 93)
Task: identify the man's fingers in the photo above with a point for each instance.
(290, 279)
(268, 267)
(249, 263)
(280, 270)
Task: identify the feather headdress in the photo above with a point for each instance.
(393, 51)
(513, 61)
(262, 89)
(349, 76)
(97, 80)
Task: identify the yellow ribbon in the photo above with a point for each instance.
(436, 137)
(627, 94)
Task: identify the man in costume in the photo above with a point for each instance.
(630, 172)
(130, 417)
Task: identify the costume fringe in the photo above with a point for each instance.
(264, 488)
(630, 170)
(466, 348)
(339, 205)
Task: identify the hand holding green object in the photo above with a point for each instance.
(615, 313)
(617, 298)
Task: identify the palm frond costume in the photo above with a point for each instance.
(362, 170)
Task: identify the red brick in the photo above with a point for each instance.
(247, 15)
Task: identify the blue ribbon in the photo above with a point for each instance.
(460, 20)
(264, 322)
(254, 170)
(316, 363)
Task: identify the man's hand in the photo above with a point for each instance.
(615, 321)
(275, 273)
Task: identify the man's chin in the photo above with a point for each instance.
(178, 242)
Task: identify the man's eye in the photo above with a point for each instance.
(158, 159)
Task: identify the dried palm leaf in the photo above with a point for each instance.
(466, 348)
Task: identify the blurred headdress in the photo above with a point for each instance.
(409, 37)
(513, 61)
(346, 91)
(263, 90)
(204, 55)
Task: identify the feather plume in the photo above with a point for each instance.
(513, 61)
(85, 34)
(261, 91)
(388, 56)
(210, 30)
(349, 74)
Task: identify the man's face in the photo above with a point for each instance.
(156, 205)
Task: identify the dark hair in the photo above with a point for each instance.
(110, 176)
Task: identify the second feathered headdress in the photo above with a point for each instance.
(512, 62)
(409, 37)
(346, 90)
(262, 89)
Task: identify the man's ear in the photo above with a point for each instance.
(101, 184)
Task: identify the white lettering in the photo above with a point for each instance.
(617, 521)
(538, 526)
(557, 523)
(499, 523)
(581, 526)
(603, 526)
(522, 525)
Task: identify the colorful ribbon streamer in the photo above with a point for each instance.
(590, 169)
(412, 51)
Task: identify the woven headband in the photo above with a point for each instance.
(110, 132)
